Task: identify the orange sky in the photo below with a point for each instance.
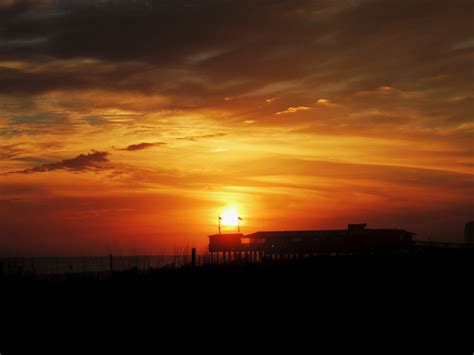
(129, 126)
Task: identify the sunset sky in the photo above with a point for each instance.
(129, 125)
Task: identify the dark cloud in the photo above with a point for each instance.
(197, 53)
(39, 118)
(83, 162)
(141, 146)
(160, 46)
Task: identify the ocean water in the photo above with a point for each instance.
(88, 264)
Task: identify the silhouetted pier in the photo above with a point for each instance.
(355, 240)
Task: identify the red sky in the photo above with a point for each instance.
(129, 125)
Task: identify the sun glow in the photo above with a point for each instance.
(230, 217)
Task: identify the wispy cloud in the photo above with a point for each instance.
(38, 119)
(90, 161)
(293, 110)
(325, 102)
(204, 136)
(141, 146)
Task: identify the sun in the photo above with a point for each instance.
(230, 217)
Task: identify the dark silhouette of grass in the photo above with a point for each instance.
(158, 304)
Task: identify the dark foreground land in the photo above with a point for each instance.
(297, 303)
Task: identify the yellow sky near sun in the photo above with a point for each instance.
(275, 177)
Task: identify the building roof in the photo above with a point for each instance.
(226, 235)
(326, 231)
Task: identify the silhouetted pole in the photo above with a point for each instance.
(193, 257)
(111, 264)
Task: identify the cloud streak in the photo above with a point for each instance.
(83, 162)
(203, 136)
(293, 110)
(142, 146)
